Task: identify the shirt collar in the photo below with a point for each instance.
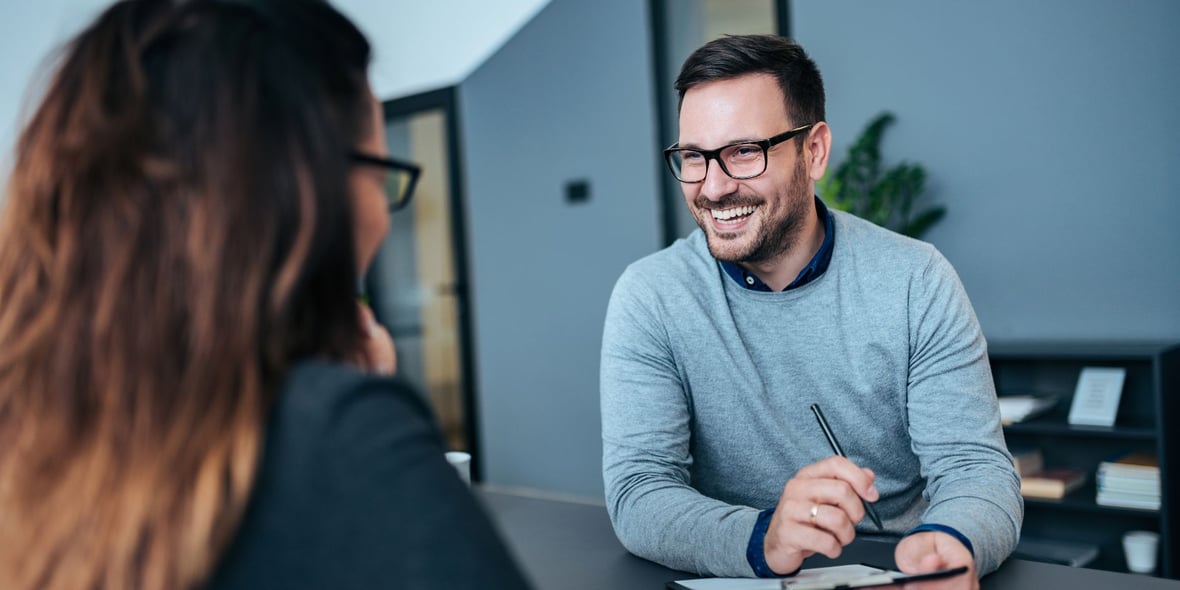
(814, 269)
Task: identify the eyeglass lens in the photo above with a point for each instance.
(744, 160)
(397, 187)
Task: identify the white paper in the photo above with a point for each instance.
(818, 578)
(1096, 399)
(825, 576)
(1015, 408)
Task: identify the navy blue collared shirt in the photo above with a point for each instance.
(813, 270)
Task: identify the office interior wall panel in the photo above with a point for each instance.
(1048, 129)
(568, 99)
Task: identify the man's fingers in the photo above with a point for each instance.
(835, 521)
(818, 512)
(930, 551)
(911, 551)
(808, 539)
(931, 562)
(842, 469)
(833, 492)
(802, 527)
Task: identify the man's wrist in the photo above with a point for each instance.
(756, 548)
(942, 528)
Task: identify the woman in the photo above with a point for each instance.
(181, 396)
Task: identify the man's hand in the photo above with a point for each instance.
(817, 512)
(377, 352)
(931, 550)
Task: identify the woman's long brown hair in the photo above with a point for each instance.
(177, 232)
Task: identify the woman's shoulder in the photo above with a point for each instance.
(316, 384)
(320, 395)
(353, 492)
(331, 420)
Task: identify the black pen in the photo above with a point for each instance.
(823, 424)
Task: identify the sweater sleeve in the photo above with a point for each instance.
(954, 419)
(646, 416)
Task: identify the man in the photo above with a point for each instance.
(715, 348)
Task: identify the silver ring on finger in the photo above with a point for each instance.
(814, 512)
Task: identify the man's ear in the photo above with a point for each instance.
(816, 148)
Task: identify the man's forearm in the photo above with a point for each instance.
(674, 525)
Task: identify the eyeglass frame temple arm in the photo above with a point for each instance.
(413, 169)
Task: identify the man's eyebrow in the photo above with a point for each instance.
(693, 146)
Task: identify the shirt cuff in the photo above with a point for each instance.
(755, 549)
(941, 528)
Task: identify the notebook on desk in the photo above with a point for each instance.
(819, 578)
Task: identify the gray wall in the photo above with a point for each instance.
(1051, 131)
(569, 97)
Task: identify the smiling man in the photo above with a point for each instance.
(715, 348)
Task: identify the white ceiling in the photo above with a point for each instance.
(425, 45)
(418, 45)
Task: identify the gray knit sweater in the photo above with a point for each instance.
(706, 388)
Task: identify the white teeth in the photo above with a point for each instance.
(726, 214)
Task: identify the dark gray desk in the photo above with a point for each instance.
(571, 546)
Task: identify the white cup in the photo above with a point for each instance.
(1140, 548)
(462, 463)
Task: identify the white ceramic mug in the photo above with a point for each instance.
(462, 463)
(1140, 549)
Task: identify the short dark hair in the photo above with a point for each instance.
(737, 55)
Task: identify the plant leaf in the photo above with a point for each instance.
(924, 221)
(888, 198)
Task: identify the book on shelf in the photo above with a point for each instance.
(1130, 485)
(1054, 551)
(1028, 461)
(1052, 484)
(1137, 464)
(1018, 408)
(1130, 481)
(1128, 500)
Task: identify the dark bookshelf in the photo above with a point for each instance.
(1055, 427)
(1082, 500)
(1150, 401)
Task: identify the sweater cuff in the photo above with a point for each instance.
(942, 528)
(756, 551)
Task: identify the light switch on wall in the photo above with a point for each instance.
(577, 191)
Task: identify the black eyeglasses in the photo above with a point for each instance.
(741, 160)
(400, 177)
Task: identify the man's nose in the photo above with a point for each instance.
(717, 183)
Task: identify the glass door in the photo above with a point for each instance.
(416, 282)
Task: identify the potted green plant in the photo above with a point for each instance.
(889, 198)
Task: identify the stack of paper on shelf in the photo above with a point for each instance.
(1017, 408)
(1130, 481)
(1052, 484)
